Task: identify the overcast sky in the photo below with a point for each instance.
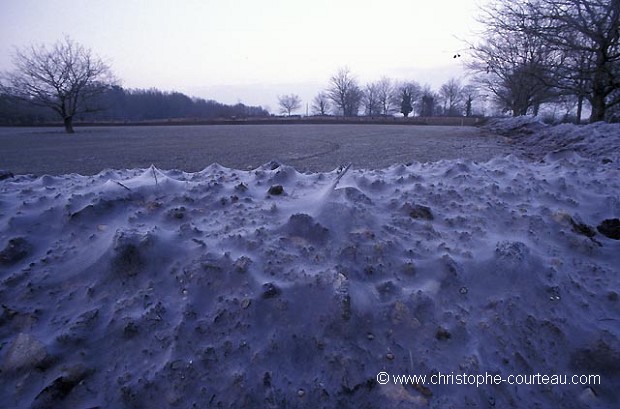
(251, 50)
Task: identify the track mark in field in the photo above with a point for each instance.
(333, 147)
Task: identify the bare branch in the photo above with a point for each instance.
(289, 103)
(320, 104)
(345, 92)
(64, 78)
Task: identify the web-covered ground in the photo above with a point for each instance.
(274, 288)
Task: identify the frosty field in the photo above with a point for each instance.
(192, 148)
(269, 287)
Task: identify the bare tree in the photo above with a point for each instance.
(344, 92)
(573, 80)
(511, 60)
(571, 47)
(65, 78)
(588, 34)
(289, 103)
(385, 95)
(370, 99)
(320, 104)
(451, 94)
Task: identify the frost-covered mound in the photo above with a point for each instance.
(598, 141)
(521, 124)
(270, 288)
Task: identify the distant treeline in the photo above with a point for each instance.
(130, 105)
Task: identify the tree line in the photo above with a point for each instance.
(152, 104)
(67, 81)
(345, 96)
(534, 52)
(117, 104)
(530, 53)
(561, 53)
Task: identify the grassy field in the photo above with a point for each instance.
(192, 148)
(292, 120)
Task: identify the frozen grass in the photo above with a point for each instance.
(192, 148)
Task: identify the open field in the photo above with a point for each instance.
(192, 148)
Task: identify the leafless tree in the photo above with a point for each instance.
(588, 33)
(65, 77)
(385, 95)
(370, 99)
(569, 46)
(511, 60)
(573, 80)
(320, 104)
(451, 94)
(345, 92)
(289, 103)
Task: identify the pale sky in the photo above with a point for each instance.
(251, 51)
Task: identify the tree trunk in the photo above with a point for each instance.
(597, 100)
(598, 107)
(68, 120)
(579, 108)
